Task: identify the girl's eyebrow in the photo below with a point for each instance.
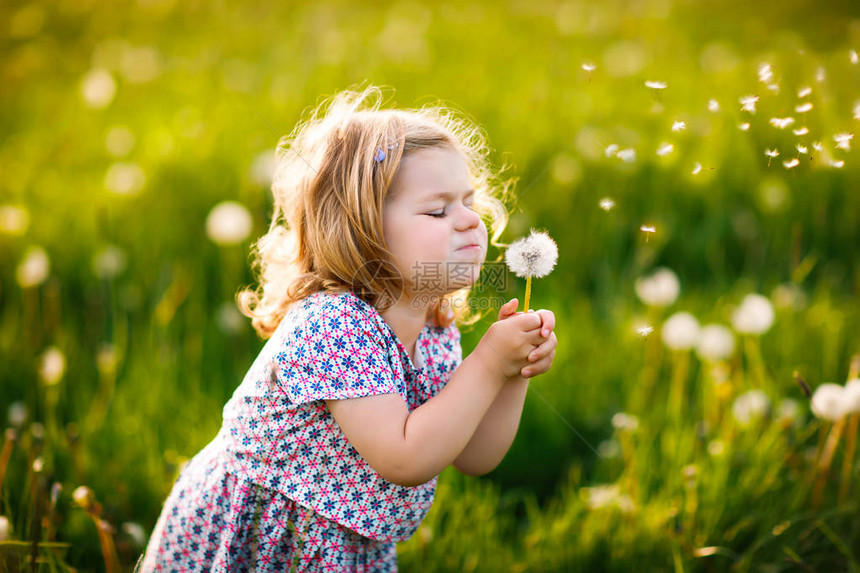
(448, 195)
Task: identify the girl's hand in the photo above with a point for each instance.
(516, 345)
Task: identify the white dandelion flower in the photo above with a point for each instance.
(856, 110)
(589, 67)
(681, 331)
(17, 414)
(852, 396)
(611, 150)
(14, 220)
(697, 168)
(843, 140)
(803, 108)
(678, 126)
(660, 289)
(765, 73)
(802, 149)
(791, 163)
(744, 127)
(837, 163)
(755, 315)
(750, 406)
(748, 103)
(713, 105)
(34, 269)
(624, 421)
(83, 496)
(781, 122)
(804, 91)
(124, 178)
(665, 149)
(655, 85)
(109, 262)
(98, 88)
(800, 130)
(853, 57)
(52, 366)
(627, 155)
(828, 402)
(607, 203)
(532, 256)
(229, 223)
(716, 342)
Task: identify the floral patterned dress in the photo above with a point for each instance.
(280, 487)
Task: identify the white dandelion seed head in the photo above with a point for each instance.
(716, 342)
(660, 289)
(589, 67)
(532, 256)
(755, 315)
(750, 406)
(34, 268)
(853, 57)
(772, 152)
(856, 110)
(791, 163)
(678, 126)
(124, 178)
(681, 331)
(837, 163)
(17, 414)
(14, 220)
(748, 103)
(611, 150)
(228, 223)
(801, 130)
(803, 108)
(713, 105)
(83, 496)
(852, 396)
(781, 122)
(607, 203)
(765, 73)
(98, 88)
(697, 168)
(109, 262)
(828, 402)
(229, 319)
(843, 140)
(655, 85)
(608, 449)
(804, 91)
(624, 421)
(744, 127)
(665, 149)
(801, 148)
(52, 366)
(627, 155)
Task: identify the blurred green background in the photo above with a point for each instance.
(123, 125)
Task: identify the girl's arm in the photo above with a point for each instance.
(498, 428)
(411, 448)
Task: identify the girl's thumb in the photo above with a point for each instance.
(508, 308)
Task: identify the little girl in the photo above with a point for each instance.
(331, 446)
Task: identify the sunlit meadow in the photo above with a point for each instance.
(694, 161)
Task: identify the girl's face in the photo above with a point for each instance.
(439, 242)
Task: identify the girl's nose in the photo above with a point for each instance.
(466, 218)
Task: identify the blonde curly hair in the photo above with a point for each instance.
(329, 193)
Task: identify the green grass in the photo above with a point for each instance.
(200, 124)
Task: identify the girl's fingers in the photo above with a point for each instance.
(508, 309)
(547, 321)
(539, 367)
(544, 349)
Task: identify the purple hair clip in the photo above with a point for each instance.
(379, 155)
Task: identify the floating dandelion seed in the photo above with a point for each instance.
(627, 155)
(837, 163)
(781, 122)
(765, 73)
(697, 168)
(611, 149)
(744, 127)
(817, 146)
(803, 108)
(713, 105)
(656, 85)
(843, 140)
(665, 149)
(589, 67)
(679, 126)
(773, 87)
(771, 153)
(801, 131)
(804, 91)
(820, 74)
(532, 256)
(857, 110)
(607, 203)
(645, 330)
(648, 230)
(748, 103)
(791, 163)
(853, 57)
(802, 149)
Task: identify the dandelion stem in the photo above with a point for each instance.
(528, 293)
(848, 461)
(825, 461)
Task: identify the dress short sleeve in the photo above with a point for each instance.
(332, 349)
